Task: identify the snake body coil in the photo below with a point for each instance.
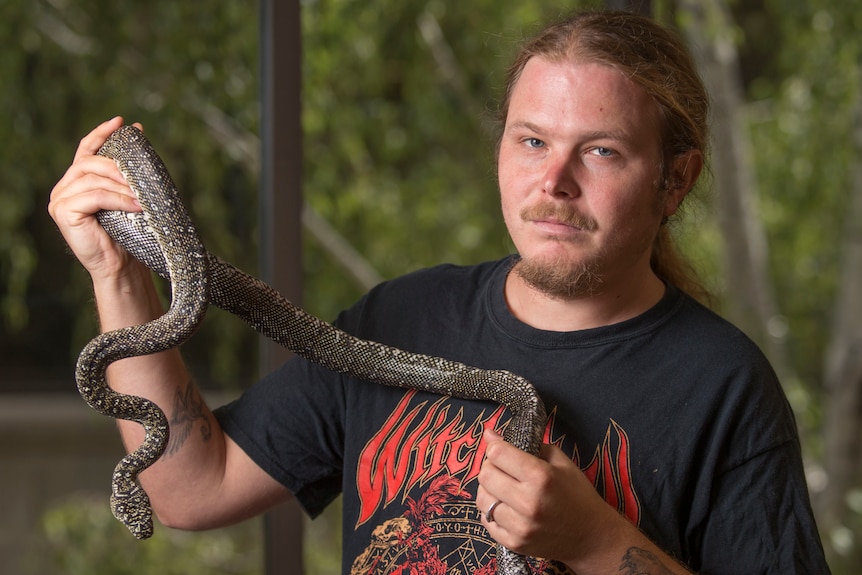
(164, 238)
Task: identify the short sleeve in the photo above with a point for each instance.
(761, 521)
(291, 424)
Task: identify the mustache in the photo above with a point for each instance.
(561, 213)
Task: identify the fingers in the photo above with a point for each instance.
(90, 173)
(91, 143)
(526, 495)
(86, 161)
(511, 464)
(92, 183)
(541, 506)
(503, 478)
(86, 195)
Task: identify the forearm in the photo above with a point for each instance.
(625, 550)
(204, 479)
(192, 467)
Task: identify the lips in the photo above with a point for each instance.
(555, 227)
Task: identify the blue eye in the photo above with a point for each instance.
(535, 143)
(603, 152)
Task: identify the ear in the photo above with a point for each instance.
(684, 172)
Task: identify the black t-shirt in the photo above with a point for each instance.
(675, 416)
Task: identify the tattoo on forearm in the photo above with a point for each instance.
(639, 561)
(189, 409)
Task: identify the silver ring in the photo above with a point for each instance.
(490, 513)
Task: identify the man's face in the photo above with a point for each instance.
(579, 172)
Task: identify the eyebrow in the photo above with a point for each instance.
(524, 125)
(615, 135)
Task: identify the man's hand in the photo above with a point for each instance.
(548, 508)
(93, 183)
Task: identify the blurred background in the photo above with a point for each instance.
(398, 100)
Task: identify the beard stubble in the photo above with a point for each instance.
(558, 276)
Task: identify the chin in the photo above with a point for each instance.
(559, 277)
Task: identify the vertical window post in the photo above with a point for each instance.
(280, 225)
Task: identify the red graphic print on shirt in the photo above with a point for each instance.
(423, 457)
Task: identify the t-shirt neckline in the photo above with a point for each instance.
(511, 326)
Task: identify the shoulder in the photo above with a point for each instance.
(710, 344)
(706, 333)
(732, 380)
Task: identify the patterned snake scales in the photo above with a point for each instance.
(164, 238)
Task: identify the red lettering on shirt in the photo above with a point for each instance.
(416, 445)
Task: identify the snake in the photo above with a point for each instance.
(163, 237)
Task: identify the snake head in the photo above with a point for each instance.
(134, 511)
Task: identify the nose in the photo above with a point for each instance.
(559, 178)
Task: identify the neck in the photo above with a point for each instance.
(609, 306)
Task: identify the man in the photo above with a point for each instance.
(669, 446)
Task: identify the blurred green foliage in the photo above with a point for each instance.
(68, 66)
(82, 537)
(399, 130)
(802, 129)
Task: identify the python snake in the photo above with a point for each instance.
(164, 238)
